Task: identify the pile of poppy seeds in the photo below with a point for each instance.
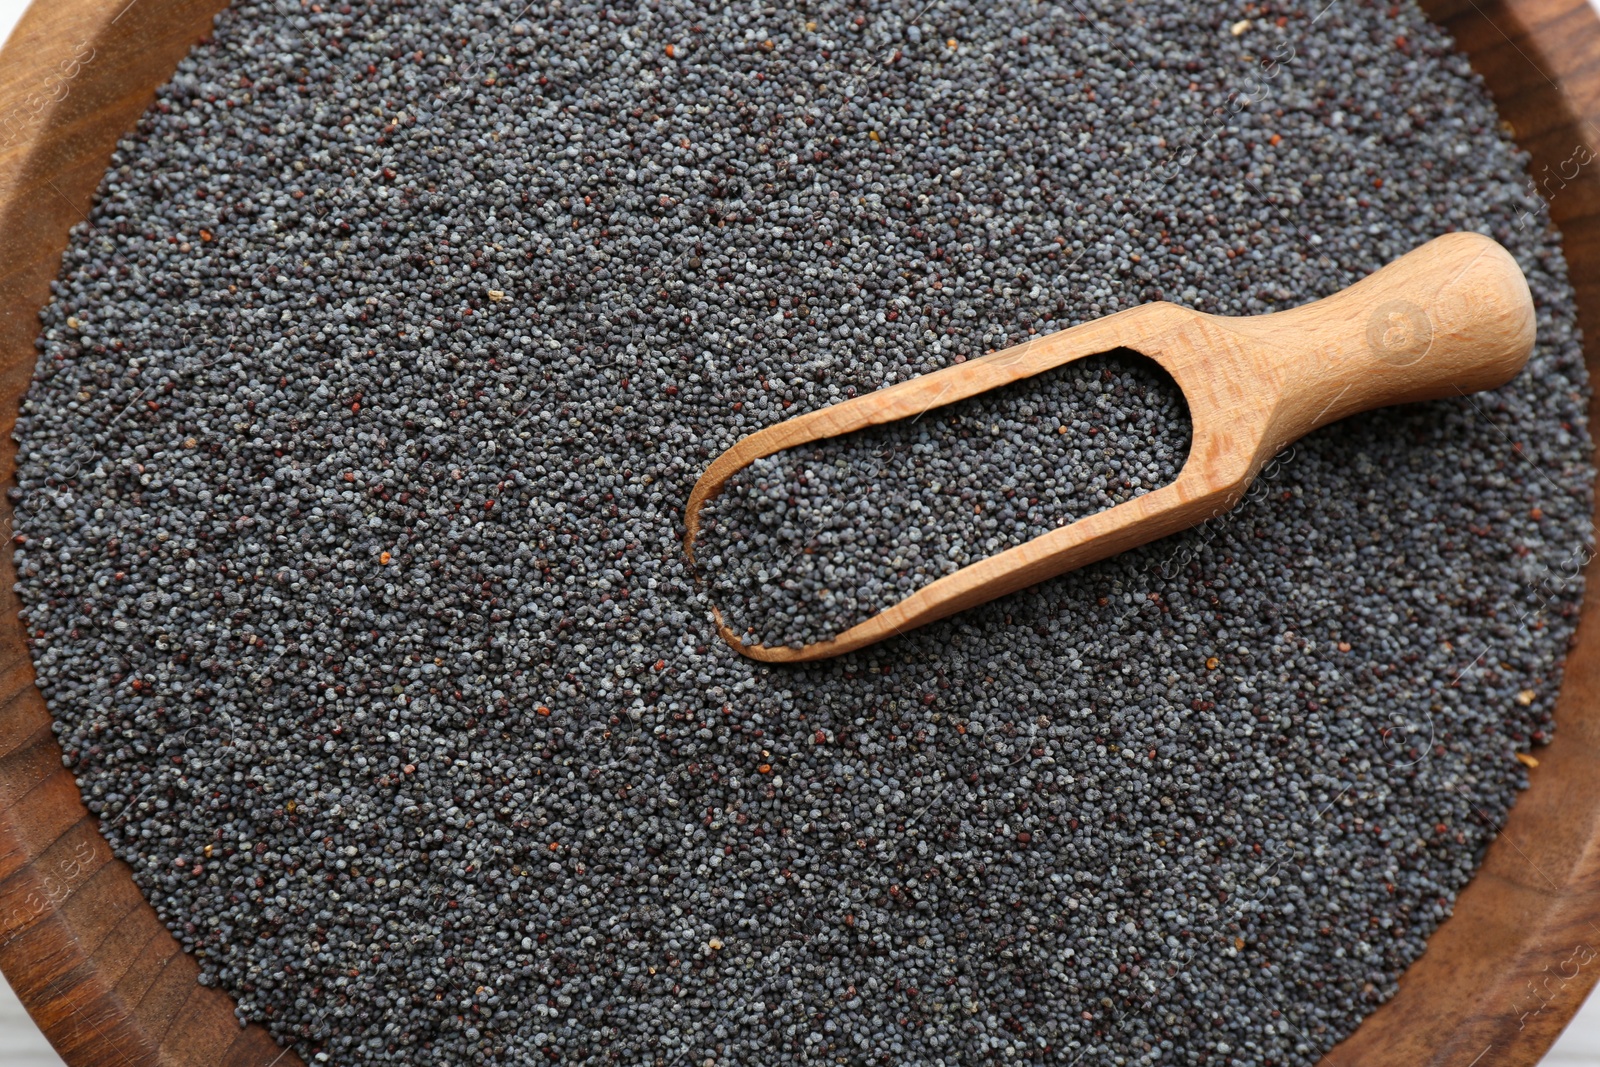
(350, 533)
(809, 541)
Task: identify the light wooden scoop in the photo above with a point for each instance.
(1449, 318)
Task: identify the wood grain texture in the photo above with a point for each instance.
(1446, 319)
(111, 988)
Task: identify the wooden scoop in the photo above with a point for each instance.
(1449, 318)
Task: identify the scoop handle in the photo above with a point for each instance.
(1452, 317)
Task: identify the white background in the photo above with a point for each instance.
(21, 1044)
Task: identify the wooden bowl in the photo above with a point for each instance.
(111, 988)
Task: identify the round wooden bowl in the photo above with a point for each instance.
(111, 988)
